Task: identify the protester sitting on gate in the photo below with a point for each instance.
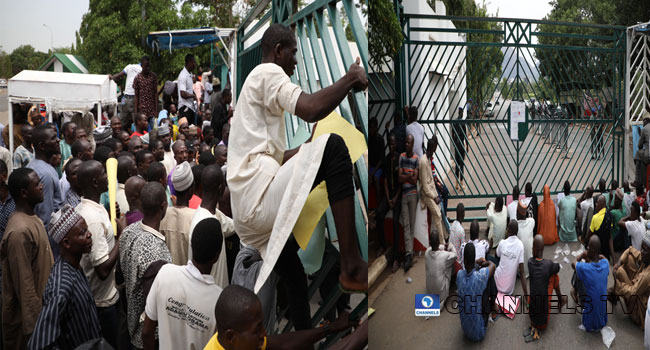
(632, 281)
(481, 246)
(457, 235)
(568, 215)
(525, 231)
(511, 262)
(440, 259)
(512, 206)
(601, 226)
(590, 284)
(546, 218)
(532, 205)
(497, 218)
(476, 294)
(635, 226)
(544, 279)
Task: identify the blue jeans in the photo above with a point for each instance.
(108, 321)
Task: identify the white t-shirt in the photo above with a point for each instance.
(511, 252)
(207, 91)
(512, 209)
(182, 300)
(628, 198)
(417, 130)
(131, 71)
(584, 207)
(498, 222)
(525, 235)
(636, 230)
(220, 269)
(99, 225)
(185, 83)
(481, 248)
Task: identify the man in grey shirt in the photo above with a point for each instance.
(46, 144)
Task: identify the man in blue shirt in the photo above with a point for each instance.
(592, 275)
(46, 144)
(476, 294)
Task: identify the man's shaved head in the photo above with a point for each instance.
(234, 309)
(132, 189)
(125, 168)
(87, 172)
(593, 248)
(473, 230)
(276, 34)
(469, 256)
(212, 181)
(538, 246)
(513, 228)
(153, 196)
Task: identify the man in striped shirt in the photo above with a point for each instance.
(408, 177)
(69, 317)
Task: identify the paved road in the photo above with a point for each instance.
(394, 326)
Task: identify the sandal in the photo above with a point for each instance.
(534, 336)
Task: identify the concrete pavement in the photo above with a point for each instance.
(394, 325)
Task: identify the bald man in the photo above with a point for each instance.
(601, 226)
(240, 325)
(132, 189)
(126, 168)
(543, 278)
(511, 254)
(135, 145)
(590, 285)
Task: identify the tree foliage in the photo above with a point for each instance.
(26, 57)
(5, 65)
(483, 63)
(112, 32)
(385, 36)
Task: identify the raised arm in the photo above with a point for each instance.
(314, 107)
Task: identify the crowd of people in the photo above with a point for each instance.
(609, 222)
(199, 212)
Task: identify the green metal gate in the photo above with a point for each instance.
(556, 72)
(324, 55)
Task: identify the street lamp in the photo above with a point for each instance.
(51, 36)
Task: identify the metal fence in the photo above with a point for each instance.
(559, 75)
(324, 55)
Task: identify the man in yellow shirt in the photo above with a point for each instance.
(601, 225)
(240, 325)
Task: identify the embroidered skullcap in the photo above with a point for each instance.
(182, 177)
(145, 139)
(62, 221)
(182, 121)
(101, 134)
(163, 130)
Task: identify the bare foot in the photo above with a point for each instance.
(356, 279)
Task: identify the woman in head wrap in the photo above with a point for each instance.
(546, 218)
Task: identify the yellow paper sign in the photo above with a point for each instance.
(111, 173)
(317, 201)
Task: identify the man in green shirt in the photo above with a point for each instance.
(69, 137)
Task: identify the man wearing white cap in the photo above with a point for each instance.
(69, 317)
(176, 223)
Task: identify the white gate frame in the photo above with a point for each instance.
(636, 105)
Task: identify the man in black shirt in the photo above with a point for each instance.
(220, 114)
(399, 130)
(376, 155)
(543, 279)
(391, 199)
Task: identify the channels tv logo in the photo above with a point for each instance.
(427, 305)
